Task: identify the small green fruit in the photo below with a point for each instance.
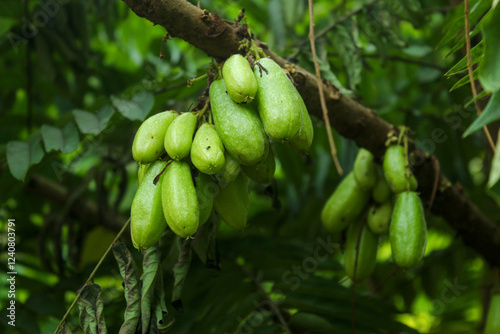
(366, 253)
(239, 126)
(408, 231)
(179, 136)
(148, 141)
(231, 203)
(364, 170)
(240, 81)
(379, 217)
(147, 222)
(344, 205)
(263, 172)
(179, 199)
(278, 102)
(207, 151)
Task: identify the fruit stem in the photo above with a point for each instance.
(199, 113)
(91, 277)
(192, 81)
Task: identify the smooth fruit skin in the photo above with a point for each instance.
(148, 141)
(141, 171)
(408, 231)
(278, 104)
(364, 169)
(302, 141)
(230, 170)
(395, 170)
(366, 252)
(239, 126)
(179, 136)
(263, 172)
(344, 205)
(179, 199)
(147, 221)
(381, 191)
(231, 203)
(493, 318)
(206, 189)
(240, 81)
(207, 151)
(379, 217)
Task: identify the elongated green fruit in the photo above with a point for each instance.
(230, 170)
(408, 231)
(366, 253)
(395, 170)
(141, 171)
(207, 151)
(493, 318)
(179, 136)
(147, 221)
(148, 141)
(302, 141)
(239, 126)
(231, 203)
(278, 104)
(344, 205)
(240, 81)
(206, 189)
(381, 191)
(263, 172)
(364, 169)
(379, 217)
(179, 199)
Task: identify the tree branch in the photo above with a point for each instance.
(209, 33)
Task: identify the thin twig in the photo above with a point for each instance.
(91, 277)
(257, 283)
(333, 25)
(471, 76)
(320, 90)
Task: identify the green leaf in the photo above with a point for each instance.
(132, 288)
(91, 310)
(93, 123)
(137, 108)
(311, 322)
(150, 270)
(21, 155)
(65, 140)
(495, 166)
(489, 68)
(204, 244)
(181, 269)
(160, 306)
(460, 67)
(490, 113)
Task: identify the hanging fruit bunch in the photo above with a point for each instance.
(371, 201)
(199, 161)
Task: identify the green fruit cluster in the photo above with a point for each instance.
(189, 167)
(370, 201)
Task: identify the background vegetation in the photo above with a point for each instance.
(78, 77)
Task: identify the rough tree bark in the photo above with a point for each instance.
(208, 32)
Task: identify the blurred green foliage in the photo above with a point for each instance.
(75, 87)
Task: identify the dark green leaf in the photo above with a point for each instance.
(150, 271)
(21, 155)
(137, 108)
(495, 167)
(311, 322)
(490, 113)
(181, 269)
(489, 69)
(65, 140)
(93, 123)
(461, 66)
(132, 288)
(91, 310)
(204, 244)
(160, 306)
(464, 81)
